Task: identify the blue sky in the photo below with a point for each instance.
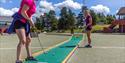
(114, 5)
(110, 6)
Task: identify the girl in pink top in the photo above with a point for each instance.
(30, 11)
(27, 9)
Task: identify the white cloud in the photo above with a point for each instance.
(46, 5)
(43, 7)
(69, 4)
(117, 11)
(101, 9)
(14, 9)
(7, 12)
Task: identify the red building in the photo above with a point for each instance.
(121, 14)
(120, 22)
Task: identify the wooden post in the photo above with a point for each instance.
(124, 28)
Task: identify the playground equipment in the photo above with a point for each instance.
(121, 26)
(120, 22)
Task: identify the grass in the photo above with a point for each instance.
(99, 27)
(95, 28)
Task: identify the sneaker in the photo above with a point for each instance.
(30, 59)
(19, 62)
(88, 46)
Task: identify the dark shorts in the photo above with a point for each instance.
(89, 28)
(19, 25)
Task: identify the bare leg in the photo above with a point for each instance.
(28, 42)
(22, 40)
(29, 55)
(89, 37)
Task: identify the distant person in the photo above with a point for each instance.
(21, 25)
(88, 27)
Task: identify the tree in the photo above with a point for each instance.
(53, 20)
(38, 24)
(109, 19)
(100, 17)
(114, 16)
(62, 24)
(95, 17)
(71, 19)
(67, 19)
(79, 19)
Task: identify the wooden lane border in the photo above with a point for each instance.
(41, 52)
(71, 53)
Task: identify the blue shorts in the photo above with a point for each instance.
(19, 25)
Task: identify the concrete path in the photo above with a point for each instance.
(8, 45)
(107, 48)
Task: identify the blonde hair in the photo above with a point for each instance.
(86, 11)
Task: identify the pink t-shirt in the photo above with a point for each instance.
(31, 10)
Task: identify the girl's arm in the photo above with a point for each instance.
(90, 21)
(24, 14)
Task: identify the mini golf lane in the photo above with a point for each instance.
(59, 53)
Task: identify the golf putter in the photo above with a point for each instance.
(84, 37)
(42, 48)
(36, 34)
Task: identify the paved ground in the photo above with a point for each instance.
(60, 52)
(8, 45)
(108, 48)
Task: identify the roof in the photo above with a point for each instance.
(121, 11)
